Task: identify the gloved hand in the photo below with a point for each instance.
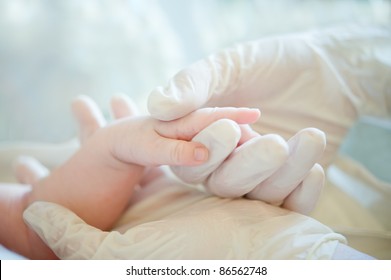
(183, 223)
(168, 220)
(323, 79)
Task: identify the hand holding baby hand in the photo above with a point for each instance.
(147, 141)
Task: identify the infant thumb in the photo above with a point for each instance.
(179, 152)
(63, 231)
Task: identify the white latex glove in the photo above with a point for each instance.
(183, 223)
(323, 79)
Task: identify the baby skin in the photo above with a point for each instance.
(98, 181)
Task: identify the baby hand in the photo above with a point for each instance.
(99, 179)
(147, 141)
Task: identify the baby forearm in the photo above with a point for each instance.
(97, 189)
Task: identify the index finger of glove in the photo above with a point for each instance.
(250, 164)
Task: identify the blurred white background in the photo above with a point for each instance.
(51, 51)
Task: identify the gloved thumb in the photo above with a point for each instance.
(186, 91)
(63, 231)
(221, 138)
(214, 81)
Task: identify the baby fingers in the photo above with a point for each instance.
(122, 106)
(88, 116)
(28, 170)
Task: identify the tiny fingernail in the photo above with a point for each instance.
(200, 154)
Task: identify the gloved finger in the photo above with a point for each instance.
(63, 231)
(248, 165)
(304, 198)
(305, 149)
(88, 116)
(122, 106)
(29, 170)
(220, 138)
(187, 127)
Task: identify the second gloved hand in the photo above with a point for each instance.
(181, 223)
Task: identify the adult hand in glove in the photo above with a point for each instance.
(323, 79)
(178, 222)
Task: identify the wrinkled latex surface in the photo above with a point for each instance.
(189, 224)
